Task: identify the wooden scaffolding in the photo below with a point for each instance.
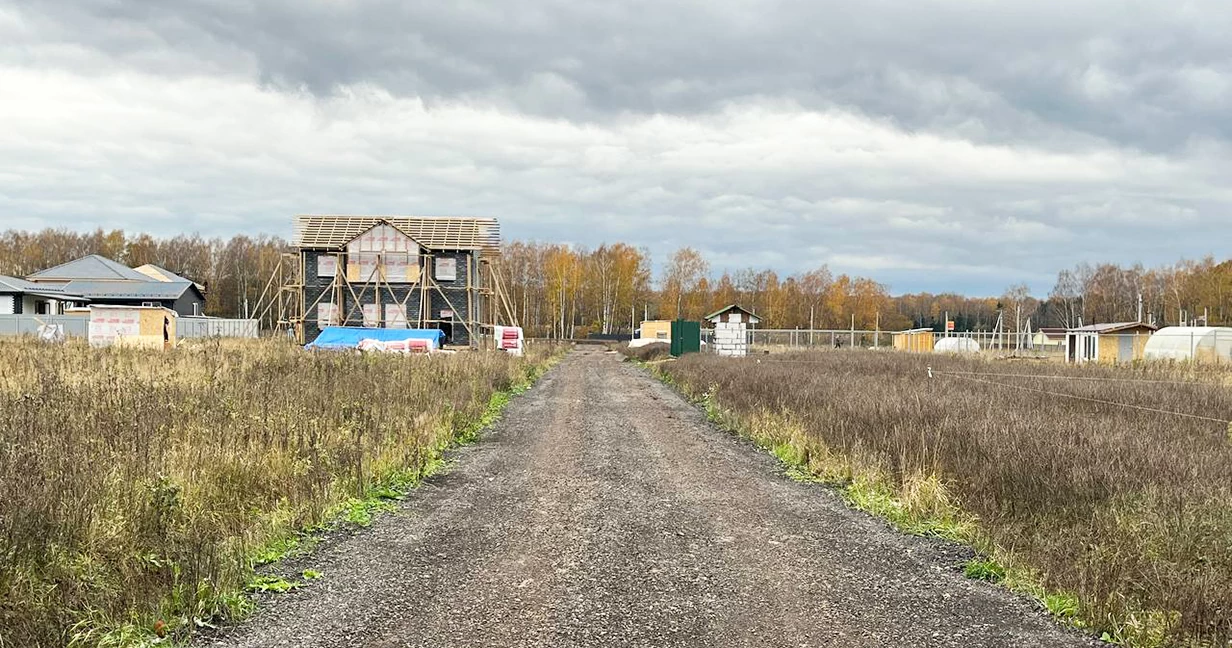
(285, 303)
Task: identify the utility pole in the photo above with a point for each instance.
(1018, 327)
(811, 324)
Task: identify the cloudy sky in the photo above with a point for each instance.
(931, 144)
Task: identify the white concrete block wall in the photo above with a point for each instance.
(731, 339)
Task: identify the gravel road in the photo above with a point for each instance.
(602, 510)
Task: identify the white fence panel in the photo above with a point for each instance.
(205, 327)
(74, 325)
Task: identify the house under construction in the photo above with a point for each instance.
(392, 272)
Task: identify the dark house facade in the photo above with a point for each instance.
(396, 272)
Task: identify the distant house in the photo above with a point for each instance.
(98, 280)
(21, 297)
(1108, 343)
(1048, 338)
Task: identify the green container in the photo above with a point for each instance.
(686, 337)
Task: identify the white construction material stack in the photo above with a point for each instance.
(731, 339)
(509, 339)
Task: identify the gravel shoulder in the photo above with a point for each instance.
(603, 510)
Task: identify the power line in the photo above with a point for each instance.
(1144, 381)
(1082, 398)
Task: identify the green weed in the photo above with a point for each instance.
(269, 583)
(984, 569)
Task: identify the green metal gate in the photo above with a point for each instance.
(686, 337)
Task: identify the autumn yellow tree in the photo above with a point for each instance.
(681, 279)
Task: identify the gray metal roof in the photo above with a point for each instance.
(13, 284)
(93, 268)
(21, 286)
(147, 290)
(1111, 327)
(729, 307)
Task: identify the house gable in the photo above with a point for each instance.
(733, 313)
(383, 253)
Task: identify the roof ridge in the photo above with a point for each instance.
(116, 270)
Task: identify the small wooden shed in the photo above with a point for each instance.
(1108, 343)
(147, 327)
(731, 334)
(918, 340)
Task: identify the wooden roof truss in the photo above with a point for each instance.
(324, 232)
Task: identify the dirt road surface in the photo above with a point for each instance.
(603, 510)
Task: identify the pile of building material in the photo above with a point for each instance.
(509, 339)
(405, 347)
(376, 339)
(731, 339)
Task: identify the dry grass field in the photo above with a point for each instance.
(1118, 519)
(138, 490)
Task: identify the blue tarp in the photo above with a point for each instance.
(348, 337)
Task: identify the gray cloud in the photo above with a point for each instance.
(1154, 75)
(935, 144)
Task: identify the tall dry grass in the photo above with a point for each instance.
(135, 487)
(1126, 512)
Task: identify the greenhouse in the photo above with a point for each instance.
(1200, 343)
(956, 345)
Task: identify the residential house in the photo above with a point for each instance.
(98, 280)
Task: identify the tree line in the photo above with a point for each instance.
(571, 291)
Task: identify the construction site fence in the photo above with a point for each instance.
(79, 326)
(1119, 346)
(73, 325)
(207, 327)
